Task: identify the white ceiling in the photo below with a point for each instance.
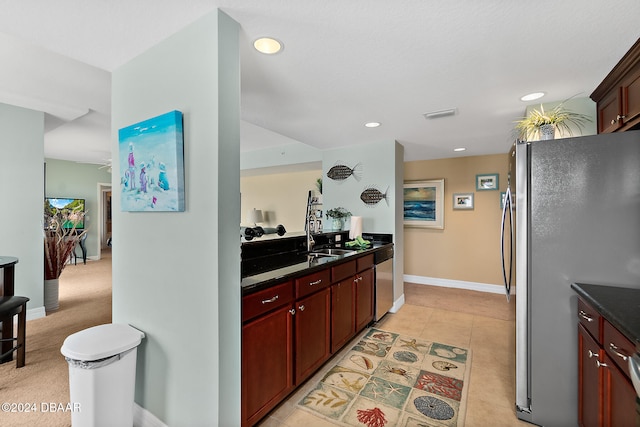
(344, 63)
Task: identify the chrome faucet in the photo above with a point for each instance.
(310, 241)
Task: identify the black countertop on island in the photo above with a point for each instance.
(620, 306)
(300, 265)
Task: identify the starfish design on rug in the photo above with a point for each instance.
(412, 344)
(392, 389)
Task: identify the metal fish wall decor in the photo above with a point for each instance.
(340, 172)
(371, 196)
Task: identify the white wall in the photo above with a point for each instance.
(398, 236)
(281, 155)
(176, 275)
(79, 180)
(380, 165)
(22, 197)
(376, 163)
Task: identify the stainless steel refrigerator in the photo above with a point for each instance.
(576, 218)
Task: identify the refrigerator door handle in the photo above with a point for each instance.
(507, 208)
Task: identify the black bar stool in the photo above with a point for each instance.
(9, 307)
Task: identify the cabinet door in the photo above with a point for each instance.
(312, 333)
(609, 109)
(364, 299)
(631, 96)
(342, 313)
(619, 397)
(267, 363)
(589, 380)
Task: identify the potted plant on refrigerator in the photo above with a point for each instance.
(338, 215)
(542, 124)
(61, 236)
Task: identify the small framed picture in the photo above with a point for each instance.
(463, 201)
(486, 182)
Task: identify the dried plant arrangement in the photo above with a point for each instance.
(61, 236)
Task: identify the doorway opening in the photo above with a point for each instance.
(104, 223)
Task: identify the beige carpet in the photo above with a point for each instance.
(480, 303)
(39, 390)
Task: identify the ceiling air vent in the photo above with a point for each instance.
(440, 113)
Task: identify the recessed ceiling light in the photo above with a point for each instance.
(532, 96)
(267, 45)
(372, 124)
(460, 149)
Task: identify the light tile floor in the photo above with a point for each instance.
(491, 393)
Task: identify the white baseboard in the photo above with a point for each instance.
(144, 418)
(458, 284)
(36, 313)
(397, 304)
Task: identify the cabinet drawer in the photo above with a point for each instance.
(313, 282)
(364, 262)
(263, 301)
(590, 319)
(343, 271)
(617, 346)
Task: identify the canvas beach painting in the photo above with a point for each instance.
(151, 158)
(423, 206)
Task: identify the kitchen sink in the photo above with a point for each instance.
(331, 252)
(321, 255)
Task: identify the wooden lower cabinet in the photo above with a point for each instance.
(291, 329)
(606, 397)
(312, 333)
(364, 298)
(619, 398)
(343, 326)
(351, 307)
(267, 363)
(589, 380)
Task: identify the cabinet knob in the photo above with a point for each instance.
(301, 307)
(317, 282)
(592, 354)
(292, 311)
(599, 364)
(617, 119)
(614, 348)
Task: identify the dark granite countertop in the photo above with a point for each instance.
(620, 306)
(301, 265)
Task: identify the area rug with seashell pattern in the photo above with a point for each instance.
(389, 379)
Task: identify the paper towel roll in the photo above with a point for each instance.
(355, 229)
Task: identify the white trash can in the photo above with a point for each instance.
(102, 374)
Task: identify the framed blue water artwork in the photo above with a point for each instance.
(423, 203)
(151, 159)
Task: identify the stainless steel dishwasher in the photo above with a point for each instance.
(384, 281)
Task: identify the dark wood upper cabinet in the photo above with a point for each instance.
(618, 96)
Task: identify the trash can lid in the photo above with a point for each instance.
(101, 341)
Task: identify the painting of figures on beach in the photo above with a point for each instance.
(423, 203)
(151, 158)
